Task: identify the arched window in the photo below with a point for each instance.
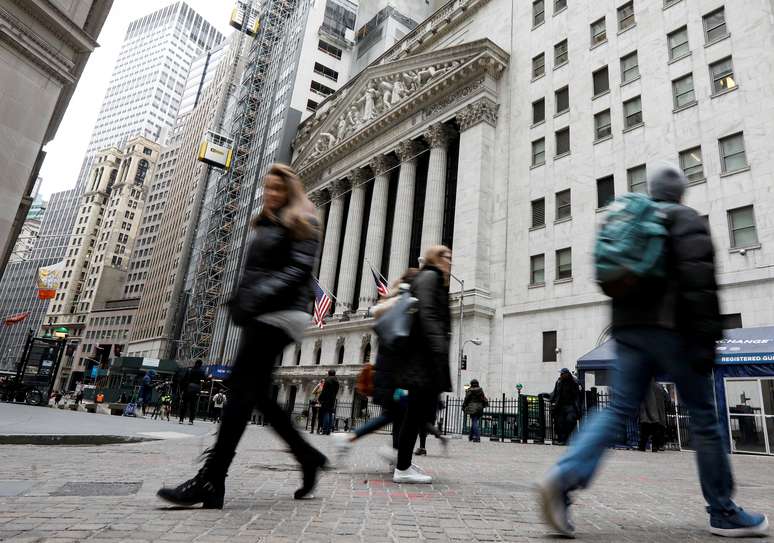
(317, 356)
(367, 354)
(298, 355)
(111, 180)
(340, 360)
(142, 169)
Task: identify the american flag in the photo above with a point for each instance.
(322, 305)
(381, 286)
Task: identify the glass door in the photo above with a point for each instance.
(767, 391)
(747, 418)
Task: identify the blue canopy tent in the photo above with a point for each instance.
(743, 352)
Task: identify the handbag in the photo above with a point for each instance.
(394, 327)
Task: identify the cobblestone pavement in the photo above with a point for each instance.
(482, 492)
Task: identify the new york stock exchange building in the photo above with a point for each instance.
(489, 129)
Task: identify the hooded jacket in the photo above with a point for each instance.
(475, 401)
(687, 299)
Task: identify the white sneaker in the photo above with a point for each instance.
(388, 454)
(412, 475)
(342, 444)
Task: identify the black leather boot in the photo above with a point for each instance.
(310, 468)
(207, 487)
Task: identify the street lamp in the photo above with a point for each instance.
(474, 341)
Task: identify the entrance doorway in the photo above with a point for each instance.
(750, 414)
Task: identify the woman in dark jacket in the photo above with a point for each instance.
(273, 305)
(425, 373)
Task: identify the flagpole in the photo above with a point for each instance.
(331, 296)
(378, 273)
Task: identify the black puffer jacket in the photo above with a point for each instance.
(277, 274)
(687, 300)
(427, 366)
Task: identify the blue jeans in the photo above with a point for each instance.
(326, 419)
(644, 351)
(475, 429)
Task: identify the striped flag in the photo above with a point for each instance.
(381, 286)
(322, 305)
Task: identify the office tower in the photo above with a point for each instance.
(30, 230)
(42, 56)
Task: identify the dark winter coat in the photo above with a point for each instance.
(566, 393)
(653, 407)
(329, 392)
(475, 401)
(191, 383)
(687, 300)
(277, 273)
(427, 365)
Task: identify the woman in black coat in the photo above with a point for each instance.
(425, 372)
(273, 305)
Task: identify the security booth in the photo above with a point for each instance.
(125, 373)
(744, 389)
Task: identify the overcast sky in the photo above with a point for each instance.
(65, 152)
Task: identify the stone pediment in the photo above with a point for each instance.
(384, 94)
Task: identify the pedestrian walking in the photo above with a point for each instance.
(474, 404)
(668, 323)
(78, 392)
(430, 428)
(273, 306)
(191, 385)
(314, 406)
(218, 401)
(653, 417)
(424, 372)
(328, 402)
(166, 405)
(565, 402)
(146, 390)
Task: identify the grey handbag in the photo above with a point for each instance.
(394, 327)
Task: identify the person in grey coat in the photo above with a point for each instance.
(653, 417)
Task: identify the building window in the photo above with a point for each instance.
(562, 142)
(682, 91)
(691, 164)
(637, 179)
(559, 5)
(731, 320)
(538, 12)
(537, 270)
(329, 49)
(632, 112)
(549, 346)
(317, 356)
(741, 223)
(626, 16)
(563, 205)
(598, 32)
(319, 88)
(605, 191)
(326, 72)
(560, 53)
(630, 67)
(602, 128)
(340, 356)
(732, 153)
(298, 356)
(562, 98)
(539, 152)
(311, 105)
(564, 263)
(722, 74)
(538, 65)
(538, 111)
(715, 25)
(538, 212)
(678, 43)
(601, 81)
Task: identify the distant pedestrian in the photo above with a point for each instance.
(192, 386)
(565, 400)
(474, 404)
(430, 428)
(314, 406)
(665, 320)
(653, 417)
(146, 390)
(328, 402)
(166, 405)
(218, 401)
(78, 393)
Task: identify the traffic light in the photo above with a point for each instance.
(464, 364)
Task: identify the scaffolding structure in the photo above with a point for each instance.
(212, 262)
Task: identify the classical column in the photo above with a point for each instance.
(345, 292)
(400, 245)
(438, 137)
(330, 251)
(319, 199)
(377, 220)
(474, 206)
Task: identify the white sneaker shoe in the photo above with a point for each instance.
(342, 444)
(412, 475)
(388, 454)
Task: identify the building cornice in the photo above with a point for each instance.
(55, 20)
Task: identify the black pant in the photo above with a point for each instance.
(566, 421)
(315, 411)
(188, 404)
(654, 430)
(419, 413)
(250, 386)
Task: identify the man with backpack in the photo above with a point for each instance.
(655, 258)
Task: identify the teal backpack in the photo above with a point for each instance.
(630, 245)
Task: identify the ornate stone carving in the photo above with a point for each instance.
(409, 149)
(439, 135)
(338, 187)
(340, 341)
(365, 340)
(320, 197)
(453, 98)
(381, 164)
(484, 110)
(317, 344)
(359, 176)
